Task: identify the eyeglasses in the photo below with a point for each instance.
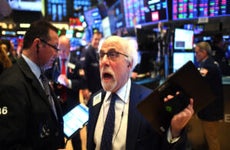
(53, 46)
(112, 54)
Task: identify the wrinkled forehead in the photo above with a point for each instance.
(113, 43)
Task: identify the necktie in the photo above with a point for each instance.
(63, 68)
(46, 87)
(107, 135)
(63, 93)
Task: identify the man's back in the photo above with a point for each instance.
(91, 66)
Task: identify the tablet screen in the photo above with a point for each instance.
(75, 119)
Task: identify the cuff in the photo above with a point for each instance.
(70, 84)
(170, 139)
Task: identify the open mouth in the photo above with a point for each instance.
(107, 76)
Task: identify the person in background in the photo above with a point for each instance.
(131, 130)
(214, 112)
(219, 54)
(5, 62)
(67, 76)
(31, 117)
(11, 52)
(91, 65)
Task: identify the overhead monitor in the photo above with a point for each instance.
(156, 11)
(26, 5)
(192, 9)
(116, 17)
(106, 27)
(197, 28)
(93, 18)
(134, 12)
(56, 10)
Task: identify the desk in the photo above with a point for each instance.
(149, 82)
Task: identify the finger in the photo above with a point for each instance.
(190, 106)
(165, 99)
(191, 102)
(177, 93)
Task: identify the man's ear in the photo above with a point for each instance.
(130, 64)
(37, 46)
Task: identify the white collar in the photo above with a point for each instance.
(123, 92)
(34, 67)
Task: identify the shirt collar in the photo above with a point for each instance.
(34, 67)
(123, 92)
(67, 59)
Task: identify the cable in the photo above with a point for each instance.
(122, 113)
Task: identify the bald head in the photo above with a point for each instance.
(64, 46)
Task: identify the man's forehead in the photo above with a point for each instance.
(110, 45)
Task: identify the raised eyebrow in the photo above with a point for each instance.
(112, 49)
(101, 50)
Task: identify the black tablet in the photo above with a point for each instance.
(75, 119)
(188, 81)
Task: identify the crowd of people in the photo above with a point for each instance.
(31, 116)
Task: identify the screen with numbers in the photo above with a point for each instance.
(156, 11)
(191, 9)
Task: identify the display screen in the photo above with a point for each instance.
(191, 9)
(75, 119)
(155, 10)
(183, 39)
(134, 12)
(106, 27)
(26, 5)
(180, 58)
(203, 38)
(56, 10)
(116, 17)
(93, 18)
(198, 28)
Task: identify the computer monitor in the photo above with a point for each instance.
(183, 39)
(106, 27)
(156, 11)
(180, 58)
(184, 9)
(26, 5)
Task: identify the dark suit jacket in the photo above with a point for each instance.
(78, 81)
(27, 121)
(91, 66)
(140, 134)
(215, 110)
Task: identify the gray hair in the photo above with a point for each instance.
(129, 46)
(132, 48)
(205, 46)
